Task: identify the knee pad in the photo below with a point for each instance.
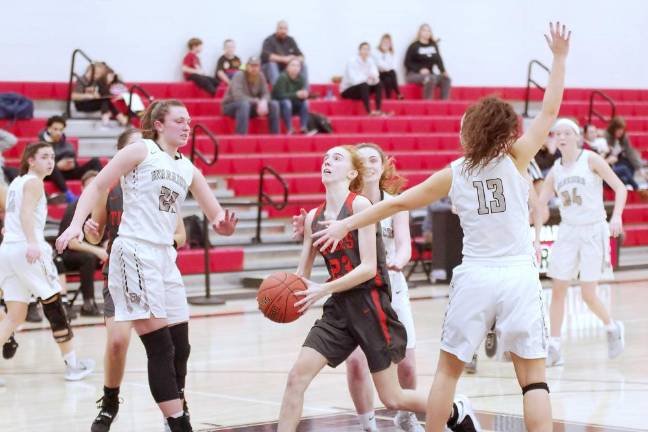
(180, 338)
(55, 314)
(535, 386)
(161, 369)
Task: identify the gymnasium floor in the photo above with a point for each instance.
(239, 363)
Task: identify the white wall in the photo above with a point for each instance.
(484, 42)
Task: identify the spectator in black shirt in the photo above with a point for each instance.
(67, 167)
(82, 256)
(421, 58)
(229, 63)
(277, 51)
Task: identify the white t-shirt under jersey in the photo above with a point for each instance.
(579, 190)
(12, 225)
(153, 195)
(492, 204)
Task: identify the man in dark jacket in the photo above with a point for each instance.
(277, 51)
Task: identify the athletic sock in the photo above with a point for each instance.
(70, 359)
(368, 421)
(555, 341)
(178, 414)
(111, 393)
(611, 327)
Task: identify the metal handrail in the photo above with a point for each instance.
(532, 81)
(68, 110)
(592, 111)
(197, 153)
(266, 199)
(130, 99)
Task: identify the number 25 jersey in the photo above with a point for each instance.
(492, 204)
(153, 195)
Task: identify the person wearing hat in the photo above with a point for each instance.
(248, 96)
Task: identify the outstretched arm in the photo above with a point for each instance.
(223, 222)
(600, 167)
(526, 147)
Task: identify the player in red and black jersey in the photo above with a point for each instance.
(104, 225)
(358, 311)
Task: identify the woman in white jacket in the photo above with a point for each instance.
(387, 67)
(361, 80)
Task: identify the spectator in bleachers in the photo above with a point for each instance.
(290, 91)
(277, 51)
(593, 141)
(7, 140)
(387, 66)
(193, 71)
(91, 93)
(67, 167)
(228, 64)
(624, 159)
(83, 257)
(248, 96)
(420, 60)
(361, 79)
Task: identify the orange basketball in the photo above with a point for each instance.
(276, 296)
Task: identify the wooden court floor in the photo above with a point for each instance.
(239, 363)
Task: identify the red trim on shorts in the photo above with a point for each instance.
(381, 315)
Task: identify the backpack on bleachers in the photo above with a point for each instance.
(14, 106)
(195, 233)
(319, 123)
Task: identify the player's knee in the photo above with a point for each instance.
(356, 369)
(180, 337)
(406, 370)
(55, 313)
(297, 380)
(589, 296)
(161, 372)
(117, 345)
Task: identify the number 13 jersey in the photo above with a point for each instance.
(492, 204)
(153, 195)
(579, 190)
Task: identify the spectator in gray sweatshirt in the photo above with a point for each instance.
(248, 96)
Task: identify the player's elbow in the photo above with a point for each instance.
(369, 271)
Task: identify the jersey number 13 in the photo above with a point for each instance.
(498, 204)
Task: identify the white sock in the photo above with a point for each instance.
(611, 327)
(368, 421)
(178, 414)
(555, 341)
(70, 359)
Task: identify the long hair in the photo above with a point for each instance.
(156, 112)
(356, 162)
(418, 33)
(390, 180)
(388, 37)
(488, 130)
(615, 124)
(30, 152)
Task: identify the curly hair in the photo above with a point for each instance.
(488, 130)
(390, 180)
(356, 162)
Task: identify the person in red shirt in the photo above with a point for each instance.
(193, 71)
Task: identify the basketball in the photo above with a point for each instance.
(276, 296)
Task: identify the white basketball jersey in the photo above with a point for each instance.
(153, 195)
(492, 204)
(387, 226)
(12, 225)
(579, 190)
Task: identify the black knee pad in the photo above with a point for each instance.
(180, 338)
(535, 386)
(55, 314)
(161, 369)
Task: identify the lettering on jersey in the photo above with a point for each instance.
(168, 198)
(115, 217)
(11, 202)
(388, 232)
(569, 180)
(164, 174)
(346, 244)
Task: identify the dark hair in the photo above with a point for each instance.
(30, 152)
(125, 136)
(194, 42)
(226, 41)
(56, 119)
(615, 124)
(156, 112)
(362, 44)
(586, 126)
(88, 175)
(390, 181)
(489, 129)
(391, 44)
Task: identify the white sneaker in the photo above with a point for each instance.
(616, 340)
(3, 383)
(467, 419)
(554, 356)
(471, 367)
(83, 368)
(408, 422)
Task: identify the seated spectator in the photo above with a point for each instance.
(83, 257)
(593, 141)
(193, 71)
(91, 93)
(248, 96)
(547, 155)
(621, 155)
(7, 140)
(387, 67)
(361, 79)
(228, 64)
(421, 58)
(67, 167)
(290, 91)
(277, 51)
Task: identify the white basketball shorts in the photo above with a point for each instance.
(19, 280)
(401, 304)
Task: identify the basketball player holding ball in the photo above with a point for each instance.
(143, 279)
(358, 313)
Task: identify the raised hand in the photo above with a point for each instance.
(298, 225)
(225, 224)
(330, 236)
(558, 39)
